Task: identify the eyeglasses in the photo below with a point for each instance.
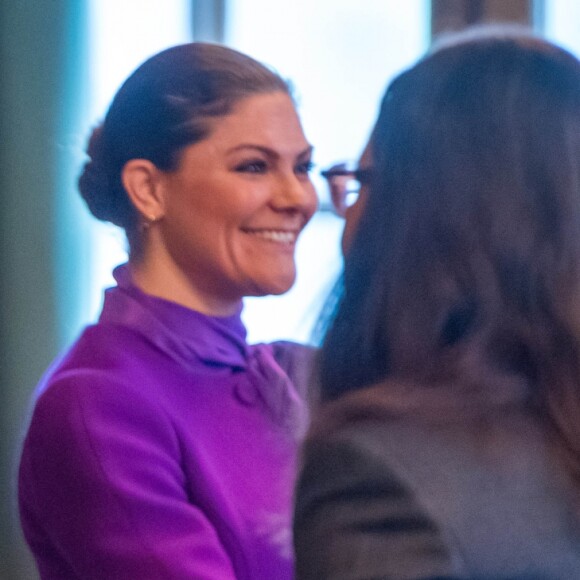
(344, 182)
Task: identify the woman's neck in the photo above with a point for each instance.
(167, 281)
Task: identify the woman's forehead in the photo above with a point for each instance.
(269, 120)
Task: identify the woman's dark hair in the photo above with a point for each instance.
(166, 104)
(465, 264)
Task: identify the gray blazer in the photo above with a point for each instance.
(435, 494)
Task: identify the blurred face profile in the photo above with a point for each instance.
(236, 203)
(355, 211)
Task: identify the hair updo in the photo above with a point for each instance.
(166, 104)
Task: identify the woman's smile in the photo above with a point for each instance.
(232, 210)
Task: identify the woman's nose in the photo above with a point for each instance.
(296, 193)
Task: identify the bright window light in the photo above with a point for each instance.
(339, 54)
(123, 33)
(562, 22)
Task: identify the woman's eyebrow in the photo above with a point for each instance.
(308, 151)
(267, 150)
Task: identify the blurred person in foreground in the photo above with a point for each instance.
(447, 442)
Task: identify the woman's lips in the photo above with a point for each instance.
(279, 236)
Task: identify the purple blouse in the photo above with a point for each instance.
(163, 446)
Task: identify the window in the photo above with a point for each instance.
(561, 21)
(339, 55)
(121, 38)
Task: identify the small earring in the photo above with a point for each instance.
(148, 222)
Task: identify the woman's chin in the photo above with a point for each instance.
(274, 287)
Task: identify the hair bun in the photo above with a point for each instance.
(94, 183)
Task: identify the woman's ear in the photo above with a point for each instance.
(140, 178)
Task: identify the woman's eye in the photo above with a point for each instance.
(304, 168)
(252, 167)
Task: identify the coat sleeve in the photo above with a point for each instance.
(355, 519)
(102, 492)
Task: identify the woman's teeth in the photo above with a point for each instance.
(275, 235)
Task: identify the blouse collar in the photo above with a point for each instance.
(175, 329)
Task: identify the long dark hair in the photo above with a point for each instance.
(467, 257)
(166, 104)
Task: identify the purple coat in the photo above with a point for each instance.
(163, 446)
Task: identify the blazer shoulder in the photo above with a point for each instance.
(495, 487)
(355, 518)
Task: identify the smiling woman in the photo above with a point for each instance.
(163, 445)
(225, 222)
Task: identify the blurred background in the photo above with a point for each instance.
(61, 61)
